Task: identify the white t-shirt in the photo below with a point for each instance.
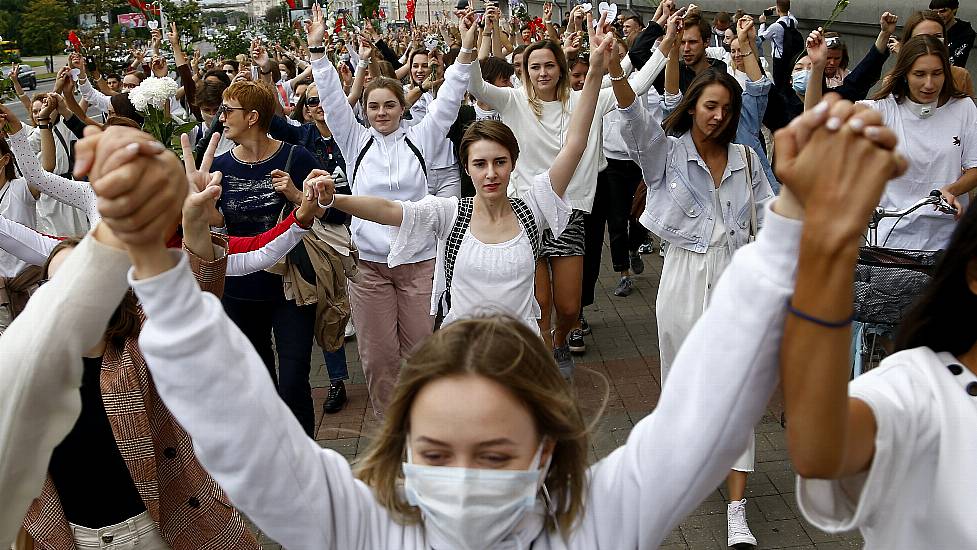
(938, 148)
(921, 489)
(17, 204)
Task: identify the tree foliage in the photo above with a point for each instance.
(44, 26)
(228, 44)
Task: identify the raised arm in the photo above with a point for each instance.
(746, 35)
(41, 367)
(675, 25)
(831, 435)
(89, 93)
(443, 111)
(817, 51)
(578, 130)
(73, 193)
(709, 402)
(18, 90)
(342, 122)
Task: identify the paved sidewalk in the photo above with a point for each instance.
(624, 350)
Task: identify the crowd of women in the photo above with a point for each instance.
(446, 196)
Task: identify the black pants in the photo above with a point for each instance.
(293, 327)
(612, 206)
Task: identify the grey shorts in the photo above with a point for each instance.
(570, 243)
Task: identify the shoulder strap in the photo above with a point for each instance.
(288, 161)
(359, 160)
(749, 183)
(528, 222)
(417, 153)
(462, 221)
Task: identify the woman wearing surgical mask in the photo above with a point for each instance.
(937, 128)
(484, 445)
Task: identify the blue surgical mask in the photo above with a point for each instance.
(799, 80)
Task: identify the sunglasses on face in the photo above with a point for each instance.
(128, 86)
(312, 101)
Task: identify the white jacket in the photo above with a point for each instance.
(306, 497)
(389, 169)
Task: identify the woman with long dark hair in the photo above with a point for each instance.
(705, 197)
(891, 453)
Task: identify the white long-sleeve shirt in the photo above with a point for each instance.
(94, 96)
(78, 194)
(306, 497)
(541, 138)
(389, 168)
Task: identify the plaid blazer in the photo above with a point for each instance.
(189, 507)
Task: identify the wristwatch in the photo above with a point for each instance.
(317, 49)
(43, 126)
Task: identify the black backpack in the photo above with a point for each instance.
(793, 47)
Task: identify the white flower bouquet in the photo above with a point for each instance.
(153, 91)
(151, 98)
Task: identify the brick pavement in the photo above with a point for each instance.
(624, 349)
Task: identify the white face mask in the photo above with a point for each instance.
(921, 110)
(471, 508)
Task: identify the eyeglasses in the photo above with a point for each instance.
(224, 108)
(129, 86)
(312, 101)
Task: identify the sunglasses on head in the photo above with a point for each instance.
(312, 101)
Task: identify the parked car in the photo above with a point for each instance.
(26, 76)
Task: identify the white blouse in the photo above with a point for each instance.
(487, 277)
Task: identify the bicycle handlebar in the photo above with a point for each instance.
(935, 198)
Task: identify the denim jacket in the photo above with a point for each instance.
(755, 96)
(680, 207)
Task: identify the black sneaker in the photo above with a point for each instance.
(336, 399)
(584, 326)
(647, 248)
(575, 341)
(637, 264)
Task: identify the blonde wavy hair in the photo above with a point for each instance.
(562, 85)
(506, 351)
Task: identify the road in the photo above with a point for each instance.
(18, 108)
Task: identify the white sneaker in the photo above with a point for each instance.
(737, 531)
(350, 330)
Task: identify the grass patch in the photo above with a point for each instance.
(35, 63)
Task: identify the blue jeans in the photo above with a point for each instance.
(293, 327)
(336, 364)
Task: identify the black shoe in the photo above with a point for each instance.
(584, 326)
(637, 264)
(575, 341)
(336, 399)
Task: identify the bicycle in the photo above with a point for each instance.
(887, 281)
